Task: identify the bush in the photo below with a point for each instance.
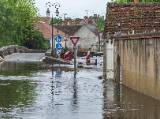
(37, 41)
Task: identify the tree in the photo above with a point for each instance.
(57, 21)
(17, 22)
(100, 24)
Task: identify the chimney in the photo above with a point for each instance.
(136, 1)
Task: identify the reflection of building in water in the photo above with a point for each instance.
(126, 103)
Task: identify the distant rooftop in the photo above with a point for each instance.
(68, 29)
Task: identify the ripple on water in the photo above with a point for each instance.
(35, 95)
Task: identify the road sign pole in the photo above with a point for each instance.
(75, 63)
(59, 60)
(74, 41)
(58, 40)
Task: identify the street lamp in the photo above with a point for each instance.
(56, 6)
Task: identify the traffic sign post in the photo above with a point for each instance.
(58, 45)
(58, 38)
(58, 52)
(74, 40)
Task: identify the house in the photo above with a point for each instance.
(46, 30)
(135, 31)
(89, 35)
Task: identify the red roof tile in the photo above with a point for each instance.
(45, 28)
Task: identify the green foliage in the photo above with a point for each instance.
(142, 1)
(36, 41)
(100, 24)
(56, 21)
(17, 21)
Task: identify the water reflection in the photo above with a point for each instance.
(124, 103)
(39, 96)
(75, 95)
(16, 94)
(58, 73)
(19, 69)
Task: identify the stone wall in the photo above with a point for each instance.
(7, 50)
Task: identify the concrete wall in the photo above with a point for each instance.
(140, 65)
(108, 60)
(7, 50)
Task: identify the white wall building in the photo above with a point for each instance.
(89, 38)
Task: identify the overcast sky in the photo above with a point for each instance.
(75, 8)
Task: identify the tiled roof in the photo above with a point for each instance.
(68, 29)
(45, 28)
(132, 18)
(45, 19)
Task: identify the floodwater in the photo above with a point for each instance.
(33, 91)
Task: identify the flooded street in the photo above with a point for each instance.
(28, 91)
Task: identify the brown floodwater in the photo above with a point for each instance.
(33, 91)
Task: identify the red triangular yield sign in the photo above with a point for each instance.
(74, 40)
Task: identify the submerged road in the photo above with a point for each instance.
(33, 91)
(25, 57)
